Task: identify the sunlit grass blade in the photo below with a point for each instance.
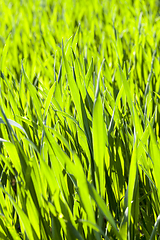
(99, 143)
(76, 37)
(34, 97)
(73, 87)
(89, 74)
(155, 154)
(131, 184)
(48, 100)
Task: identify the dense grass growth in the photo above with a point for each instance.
(79, 119)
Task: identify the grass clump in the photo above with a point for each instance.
(79, 120)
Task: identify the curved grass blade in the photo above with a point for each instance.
(15, 124)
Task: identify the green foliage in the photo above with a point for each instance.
(79, 119)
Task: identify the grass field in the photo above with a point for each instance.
(79, 119)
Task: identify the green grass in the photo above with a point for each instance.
(79, 120)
